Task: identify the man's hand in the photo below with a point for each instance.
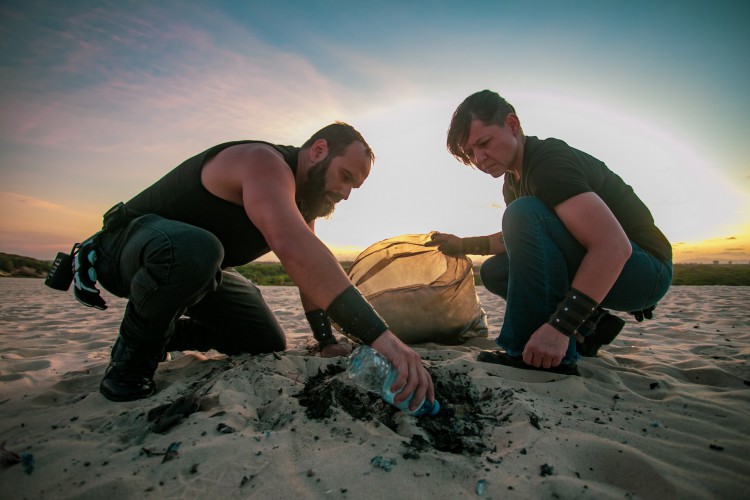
(449, 244)
(84, 277)
(412, 375)
(546, 347)
(334, 350)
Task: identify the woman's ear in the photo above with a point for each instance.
(512, 121)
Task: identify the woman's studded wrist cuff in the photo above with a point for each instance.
(572, 312)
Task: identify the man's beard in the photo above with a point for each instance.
(311, 198)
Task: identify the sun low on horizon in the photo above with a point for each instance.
(102, 100)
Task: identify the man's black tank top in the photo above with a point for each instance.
(180, 196)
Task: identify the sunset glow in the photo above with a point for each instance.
(99, 102)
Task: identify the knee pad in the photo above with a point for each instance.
(200, 254)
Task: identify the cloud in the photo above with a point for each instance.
(38, 228)
(23, 214)
(8, 199)
(125, 81)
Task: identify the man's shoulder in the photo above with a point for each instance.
(253, 149)
(249, 155)
(264, 154)
(249, 164)
(253, 165)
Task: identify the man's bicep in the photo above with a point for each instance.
(270, 204)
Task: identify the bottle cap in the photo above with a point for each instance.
(435, 408)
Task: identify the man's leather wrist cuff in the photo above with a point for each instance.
(477, 245)
(356, 317)
(572, 312)
(321, 327)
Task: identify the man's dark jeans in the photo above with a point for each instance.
(167, 270)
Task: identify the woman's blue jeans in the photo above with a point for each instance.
(171, 274)
(535, 273)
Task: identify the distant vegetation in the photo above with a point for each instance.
(684, 274)
(23, 267)
(712, 274)
(271, 273)
(265, 274)
(262, 273)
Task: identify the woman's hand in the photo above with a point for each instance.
(449, 244)
(546, 347)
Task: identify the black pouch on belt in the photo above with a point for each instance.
(117, 217)
(60, 275)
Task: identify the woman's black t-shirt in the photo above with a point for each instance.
(554, 172)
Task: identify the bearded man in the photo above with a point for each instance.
(171, 248)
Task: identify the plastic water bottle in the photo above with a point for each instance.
(372, 371)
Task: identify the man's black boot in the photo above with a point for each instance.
(130, 374)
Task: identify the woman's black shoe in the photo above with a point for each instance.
(607, 328)
(502, 358)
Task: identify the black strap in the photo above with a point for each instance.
(356, 317)
(572, 312)
(117, 217)
(321, 327)
(477, 245)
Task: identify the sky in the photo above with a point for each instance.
(100, 99)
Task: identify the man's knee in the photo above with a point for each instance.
(277, 343)
(198, 255)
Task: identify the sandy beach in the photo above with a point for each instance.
(663, 412)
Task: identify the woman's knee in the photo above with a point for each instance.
(522, 211)
(494, 274)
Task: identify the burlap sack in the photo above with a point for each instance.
(423, 294)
